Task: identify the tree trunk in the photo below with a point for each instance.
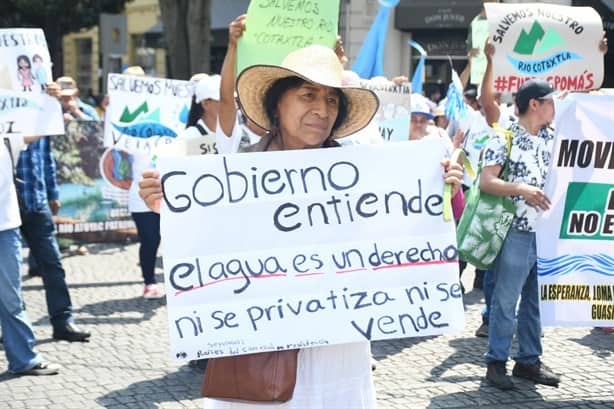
(187, 28)
(199, 33)
(53, 35)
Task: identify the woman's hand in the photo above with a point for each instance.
(458, 138)
(150, 189)
(489, 50)
(453, 175)
(236, 29)
(340, 51)
(603, 44)
(534, 196)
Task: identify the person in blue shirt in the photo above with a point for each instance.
(39, 201)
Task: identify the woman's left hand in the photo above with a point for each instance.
(53, 89)
(453, 175)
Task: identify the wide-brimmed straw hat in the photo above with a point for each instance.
(317, 64)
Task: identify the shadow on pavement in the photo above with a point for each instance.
(525, 395)
(37, 287)
(180, 385)
(102, 312)
(382, 349)
(466, 351)
(472, 297)
(599, 341)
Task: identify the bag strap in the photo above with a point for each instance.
(508, 148)
(201, 129)
(460, 156)
(7, 143)
(16, 180)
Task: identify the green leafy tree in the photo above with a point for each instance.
(56, 18)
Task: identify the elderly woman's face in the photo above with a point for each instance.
(307, 115)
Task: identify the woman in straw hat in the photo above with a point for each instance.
(304, 105)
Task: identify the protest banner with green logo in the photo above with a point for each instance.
(575, 238)
(275, 28)
(557, 43)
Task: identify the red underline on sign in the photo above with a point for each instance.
(417, 264)
(227, 279)
(421, 263)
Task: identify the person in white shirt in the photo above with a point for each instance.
(202, 118)
(18, 337)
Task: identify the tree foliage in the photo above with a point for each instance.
(56, 18)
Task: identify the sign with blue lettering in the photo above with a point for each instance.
(145, 112)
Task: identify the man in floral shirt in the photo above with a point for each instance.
(515, 268)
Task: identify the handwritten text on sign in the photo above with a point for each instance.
(557, 43)
(279, 250)
(275, 28)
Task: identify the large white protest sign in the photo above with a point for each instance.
(277, 250)
(575, 238)
(25, 70)
(145, 112)
(534, 40)
(392, 117)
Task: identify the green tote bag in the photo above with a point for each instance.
(485, 221)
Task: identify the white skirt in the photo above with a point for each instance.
(336, 376)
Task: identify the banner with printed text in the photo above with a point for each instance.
(25, 70)
(93, 183)
(275, 28)
(575, 238)
(145, 113)
(535, 40)
(392, 117)
(281, 250)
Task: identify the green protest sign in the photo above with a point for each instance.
(276, 27)
(479, 33)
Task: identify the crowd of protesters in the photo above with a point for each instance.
(275, 104)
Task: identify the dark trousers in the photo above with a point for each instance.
(38, 231)
(148, 229)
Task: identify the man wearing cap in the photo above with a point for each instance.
(515, 268)
(421, 122)
(36, 183)
(72, 107)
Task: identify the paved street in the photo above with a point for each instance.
(126, 364)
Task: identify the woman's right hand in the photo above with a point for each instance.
(236, 29)
(150, 189)
(534, 196)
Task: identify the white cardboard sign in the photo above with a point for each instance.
(575, 238)
(145, 112)
(535, 40)
(25, 69)
(282, 250)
